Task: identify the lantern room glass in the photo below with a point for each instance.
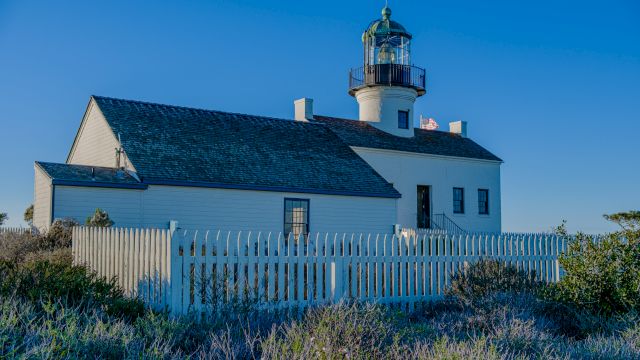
(387, 49)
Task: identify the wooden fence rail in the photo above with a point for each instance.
(193, 270)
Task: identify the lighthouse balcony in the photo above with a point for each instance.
(387, 74)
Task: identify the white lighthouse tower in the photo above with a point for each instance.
(387, 84)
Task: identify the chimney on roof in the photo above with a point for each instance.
(458, 127)
(303, 109)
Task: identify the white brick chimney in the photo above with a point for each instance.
(303, 109)
(458, 127)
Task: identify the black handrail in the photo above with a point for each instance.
(443, 222)
(387, 74)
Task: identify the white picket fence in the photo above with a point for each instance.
(178, 271)
(14, 230)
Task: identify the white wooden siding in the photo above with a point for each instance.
(41, 199)
(223, 209)
(408, 170)
(123, 205)
(95, 143)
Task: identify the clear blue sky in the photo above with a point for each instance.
(552, 87)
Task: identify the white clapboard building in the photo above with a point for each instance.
(148, 164)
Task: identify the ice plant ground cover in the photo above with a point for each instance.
(52, 309)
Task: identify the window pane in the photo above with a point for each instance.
(458, 200)
(296, 217)
(298, 214)
(483, 201)
(403, 119)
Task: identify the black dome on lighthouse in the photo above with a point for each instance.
(385, 27)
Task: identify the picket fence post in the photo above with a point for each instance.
(175, 277)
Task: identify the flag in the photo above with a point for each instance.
(428, 123)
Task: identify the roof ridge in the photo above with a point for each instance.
(202, 109)
(435, 142)
(79, 165)
(345, 119)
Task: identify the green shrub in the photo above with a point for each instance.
(353, 331)
(38, 268)
(53, 245)
(100, 218)
(571, 321)
(472, 284)
(15, 247)
(56, 256)
(59, 234)
(28, 215)
(49, 281)
(601, 275)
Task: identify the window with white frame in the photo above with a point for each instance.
(483, 201)
(296, 217)
(458, 200)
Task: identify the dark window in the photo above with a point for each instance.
(483, 201)
(403, 119)
(458, 200)
(296, 217)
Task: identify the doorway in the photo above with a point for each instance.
(424, 207)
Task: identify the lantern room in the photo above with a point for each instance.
(386, 42)
(387, 57)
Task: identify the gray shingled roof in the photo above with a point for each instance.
(360, 134)
(69, 174)
(194, 147)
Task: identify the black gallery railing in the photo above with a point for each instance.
(387, 74)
